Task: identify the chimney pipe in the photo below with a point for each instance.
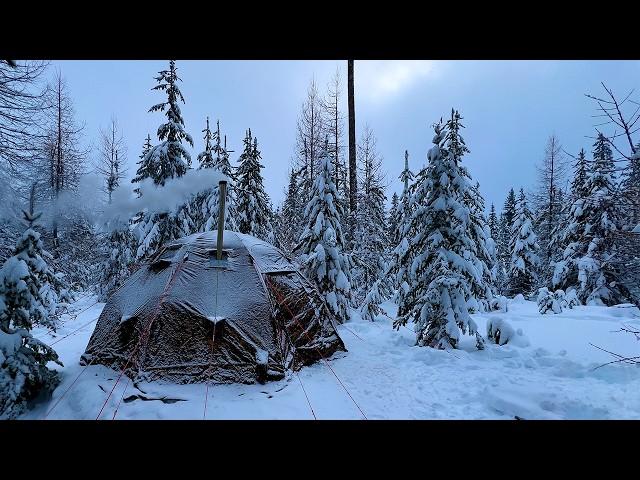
(223, 195)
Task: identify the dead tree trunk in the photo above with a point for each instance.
(353, 184)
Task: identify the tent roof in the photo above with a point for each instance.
(266, 257)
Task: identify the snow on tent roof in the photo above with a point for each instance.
(185, 318)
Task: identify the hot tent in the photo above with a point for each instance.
(186, 317)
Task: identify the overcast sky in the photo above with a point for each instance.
(509, 107)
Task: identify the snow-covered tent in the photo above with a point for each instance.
(186, 317)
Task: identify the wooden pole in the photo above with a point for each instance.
(223, 195)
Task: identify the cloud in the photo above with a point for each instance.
(381, 80)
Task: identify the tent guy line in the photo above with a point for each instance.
(283, 302)
(145, 335)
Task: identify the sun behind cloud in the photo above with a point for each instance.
(380, 80)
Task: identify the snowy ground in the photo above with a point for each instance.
(387, 376)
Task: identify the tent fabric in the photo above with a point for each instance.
(186, 318)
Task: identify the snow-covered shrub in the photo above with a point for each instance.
(499, 303)
(499, 331)
(571, 299)
(378, 293)
(550, 301)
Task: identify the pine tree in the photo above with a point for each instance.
(392, 220)
(499, 270)
(579, 177)
(23, 359)
(442, 272)
(494, 226)
(400, 259)
(146, 147)
(252, 202)
(480, 235)
(204, 207)
(371, 239)
(291, 223)
(168, 159)
(507, 217)
(588, 263)
(524, 251)
(205, 158)
(116, 268)
(630, 186)
(322, 243)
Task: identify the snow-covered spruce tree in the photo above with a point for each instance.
(395, 276)
(392, 220)
(397, 269)
(321, 244)
(291, 221)
(168, 159)
(253, 208)
(580, 173)
(507, 217)
(630, 186)
(494, 226)
(56, 290)
(524, 249)
(204, 207)
(121, 249)
(480, 234)
(442, 275)
(498, 269)
(576, 191)
(146, 148)
(588, 262)
(380, 291)
(371, 239)
(23, 359)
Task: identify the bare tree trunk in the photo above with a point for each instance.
(551, 196)
(336, 134)
(353, 184)
(57, 189)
